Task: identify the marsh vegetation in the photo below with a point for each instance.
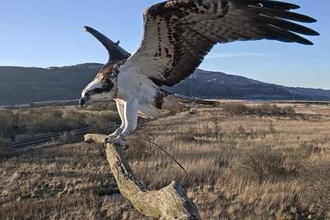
(244, 161)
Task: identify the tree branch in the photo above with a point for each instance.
(170, 202)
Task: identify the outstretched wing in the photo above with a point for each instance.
(178, 34)
(114, 50)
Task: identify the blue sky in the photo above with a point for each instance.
(50, 33)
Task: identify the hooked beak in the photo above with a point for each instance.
(83, 100)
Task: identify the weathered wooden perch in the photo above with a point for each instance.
(170, 202)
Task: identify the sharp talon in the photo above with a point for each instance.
(117, 141)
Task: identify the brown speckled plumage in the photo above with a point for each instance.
(186, 30)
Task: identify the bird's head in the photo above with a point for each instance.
(103, 86)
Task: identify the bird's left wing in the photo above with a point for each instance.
(114, 50)
(178, 34)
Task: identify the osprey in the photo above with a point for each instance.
(177, 36)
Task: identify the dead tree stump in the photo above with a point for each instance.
(170, 202)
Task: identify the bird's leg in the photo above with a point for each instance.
(120, 109)
(131, 109)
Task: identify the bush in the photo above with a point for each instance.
(272, 110)
(102, 121)
(72, 120)
(235, 108)
(40, 120)
(262, 163)
(53, 119)
(316, 180)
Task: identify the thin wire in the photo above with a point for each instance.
(159, 147)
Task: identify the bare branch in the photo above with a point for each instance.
(170, 202)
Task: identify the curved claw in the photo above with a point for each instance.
(116, 141)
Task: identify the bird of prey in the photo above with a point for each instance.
(177, 36)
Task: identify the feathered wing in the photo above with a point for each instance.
(114, 50)
(178, 34)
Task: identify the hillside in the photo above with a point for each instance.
(207, 84)
(21, 85)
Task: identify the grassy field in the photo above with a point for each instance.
(244, 161)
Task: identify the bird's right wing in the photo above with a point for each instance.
(179, 33)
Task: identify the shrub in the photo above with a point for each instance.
(272, 110)
(316, 181)
(102, 121)
(49, 120)
(262, 163)
(72, 120)
(235, 108)
(265, 110)
(52, 119)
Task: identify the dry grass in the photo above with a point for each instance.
(30, 121)
(239, 167)
(4, 147)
